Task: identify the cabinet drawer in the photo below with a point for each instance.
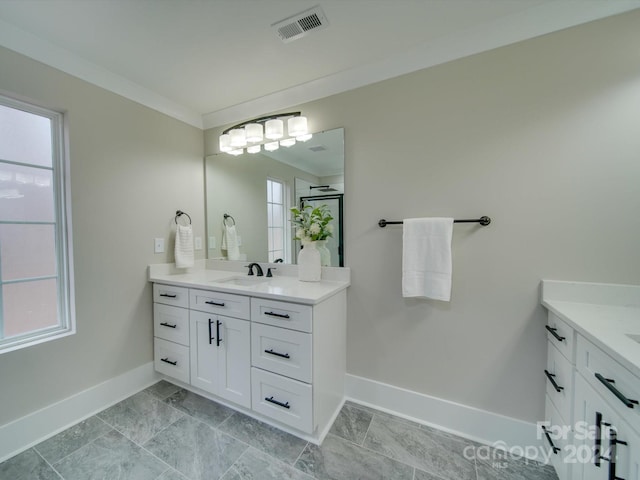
(560, 435)
(171, 323)
(222, 303)
(281, 351)
(170, 295)
(562, 336)
(171, 359)
(282, 314)
(283, 399)
(617, 385)
(560, 371)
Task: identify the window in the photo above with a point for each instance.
(275, 219)
(36, 288)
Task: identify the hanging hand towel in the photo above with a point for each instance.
(184, 246)
(426, 258)
(230, 242)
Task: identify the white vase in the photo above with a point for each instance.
(325, 254)
(309, 267)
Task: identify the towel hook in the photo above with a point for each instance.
(179, 213)
(226, 216)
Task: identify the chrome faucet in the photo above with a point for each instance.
(259, 271)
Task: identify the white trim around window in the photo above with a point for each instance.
(10, 183)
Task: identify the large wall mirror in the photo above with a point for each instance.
(253, 194)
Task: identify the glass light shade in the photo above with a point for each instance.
(297, 126)
(270, 147)
(253, 149)
(274, 129)
(288, 142)
(238, 138)
(237, 152)
(254, 133)
(304, 138)
(225, 142)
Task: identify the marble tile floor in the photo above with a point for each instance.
(167, 433)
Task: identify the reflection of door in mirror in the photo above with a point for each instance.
(335, 242)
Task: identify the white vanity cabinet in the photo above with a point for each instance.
(171, 331)
(298, 361)
(559, 375)
(220, 358)
(607, 400)
(607, 448)
(593, 385)
(283, 362)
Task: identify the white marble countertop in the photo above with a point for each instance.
(284, 285)
(607, 315)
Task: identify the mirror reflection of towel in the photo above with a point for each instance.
(184, 246)
(230, 242)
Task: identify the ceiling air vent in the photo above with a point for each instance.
(302, 24)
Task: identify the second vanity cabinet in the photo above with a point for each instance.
(280, 360)
(592, 399)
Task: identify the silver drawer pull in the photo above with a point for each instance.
(280, 404)
(271, 352)
(279, 315)
(166, 360)
(165, 324)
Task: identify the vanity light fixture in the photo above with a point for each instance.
(267, 131)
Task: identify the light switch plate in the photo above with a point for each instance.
(158, 245)
(212, 242)
(198, 242)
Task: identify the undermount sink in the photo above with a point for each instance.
(244, 281)
(635, 338)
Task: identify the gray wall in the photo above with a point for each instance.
(543, 137)
(131, 169)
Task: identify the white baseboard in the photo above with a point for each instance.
(31, 429)
(472, 423)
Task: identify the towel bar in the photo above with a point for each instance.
(484, 221)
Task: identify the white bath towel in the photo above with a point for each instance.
(230, 242)
(184, 246)
(426, 258)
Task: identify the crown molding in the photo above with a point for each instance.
(34, 47)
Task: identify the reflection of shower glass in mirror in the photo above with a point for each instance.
(242, 186)
(334, 244)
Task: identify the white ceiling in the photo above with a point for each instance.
(215, 62)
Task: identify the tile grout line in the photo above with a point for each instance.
(47, 462)
(83, 446)
(367, 432)
(301, 452)
(391, 458)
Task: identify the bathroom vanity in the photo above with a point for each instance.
(592, 410)
(271, 347)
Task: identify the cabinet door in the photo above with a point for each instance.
(234, 360)
(204, 351)
(607, 447)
